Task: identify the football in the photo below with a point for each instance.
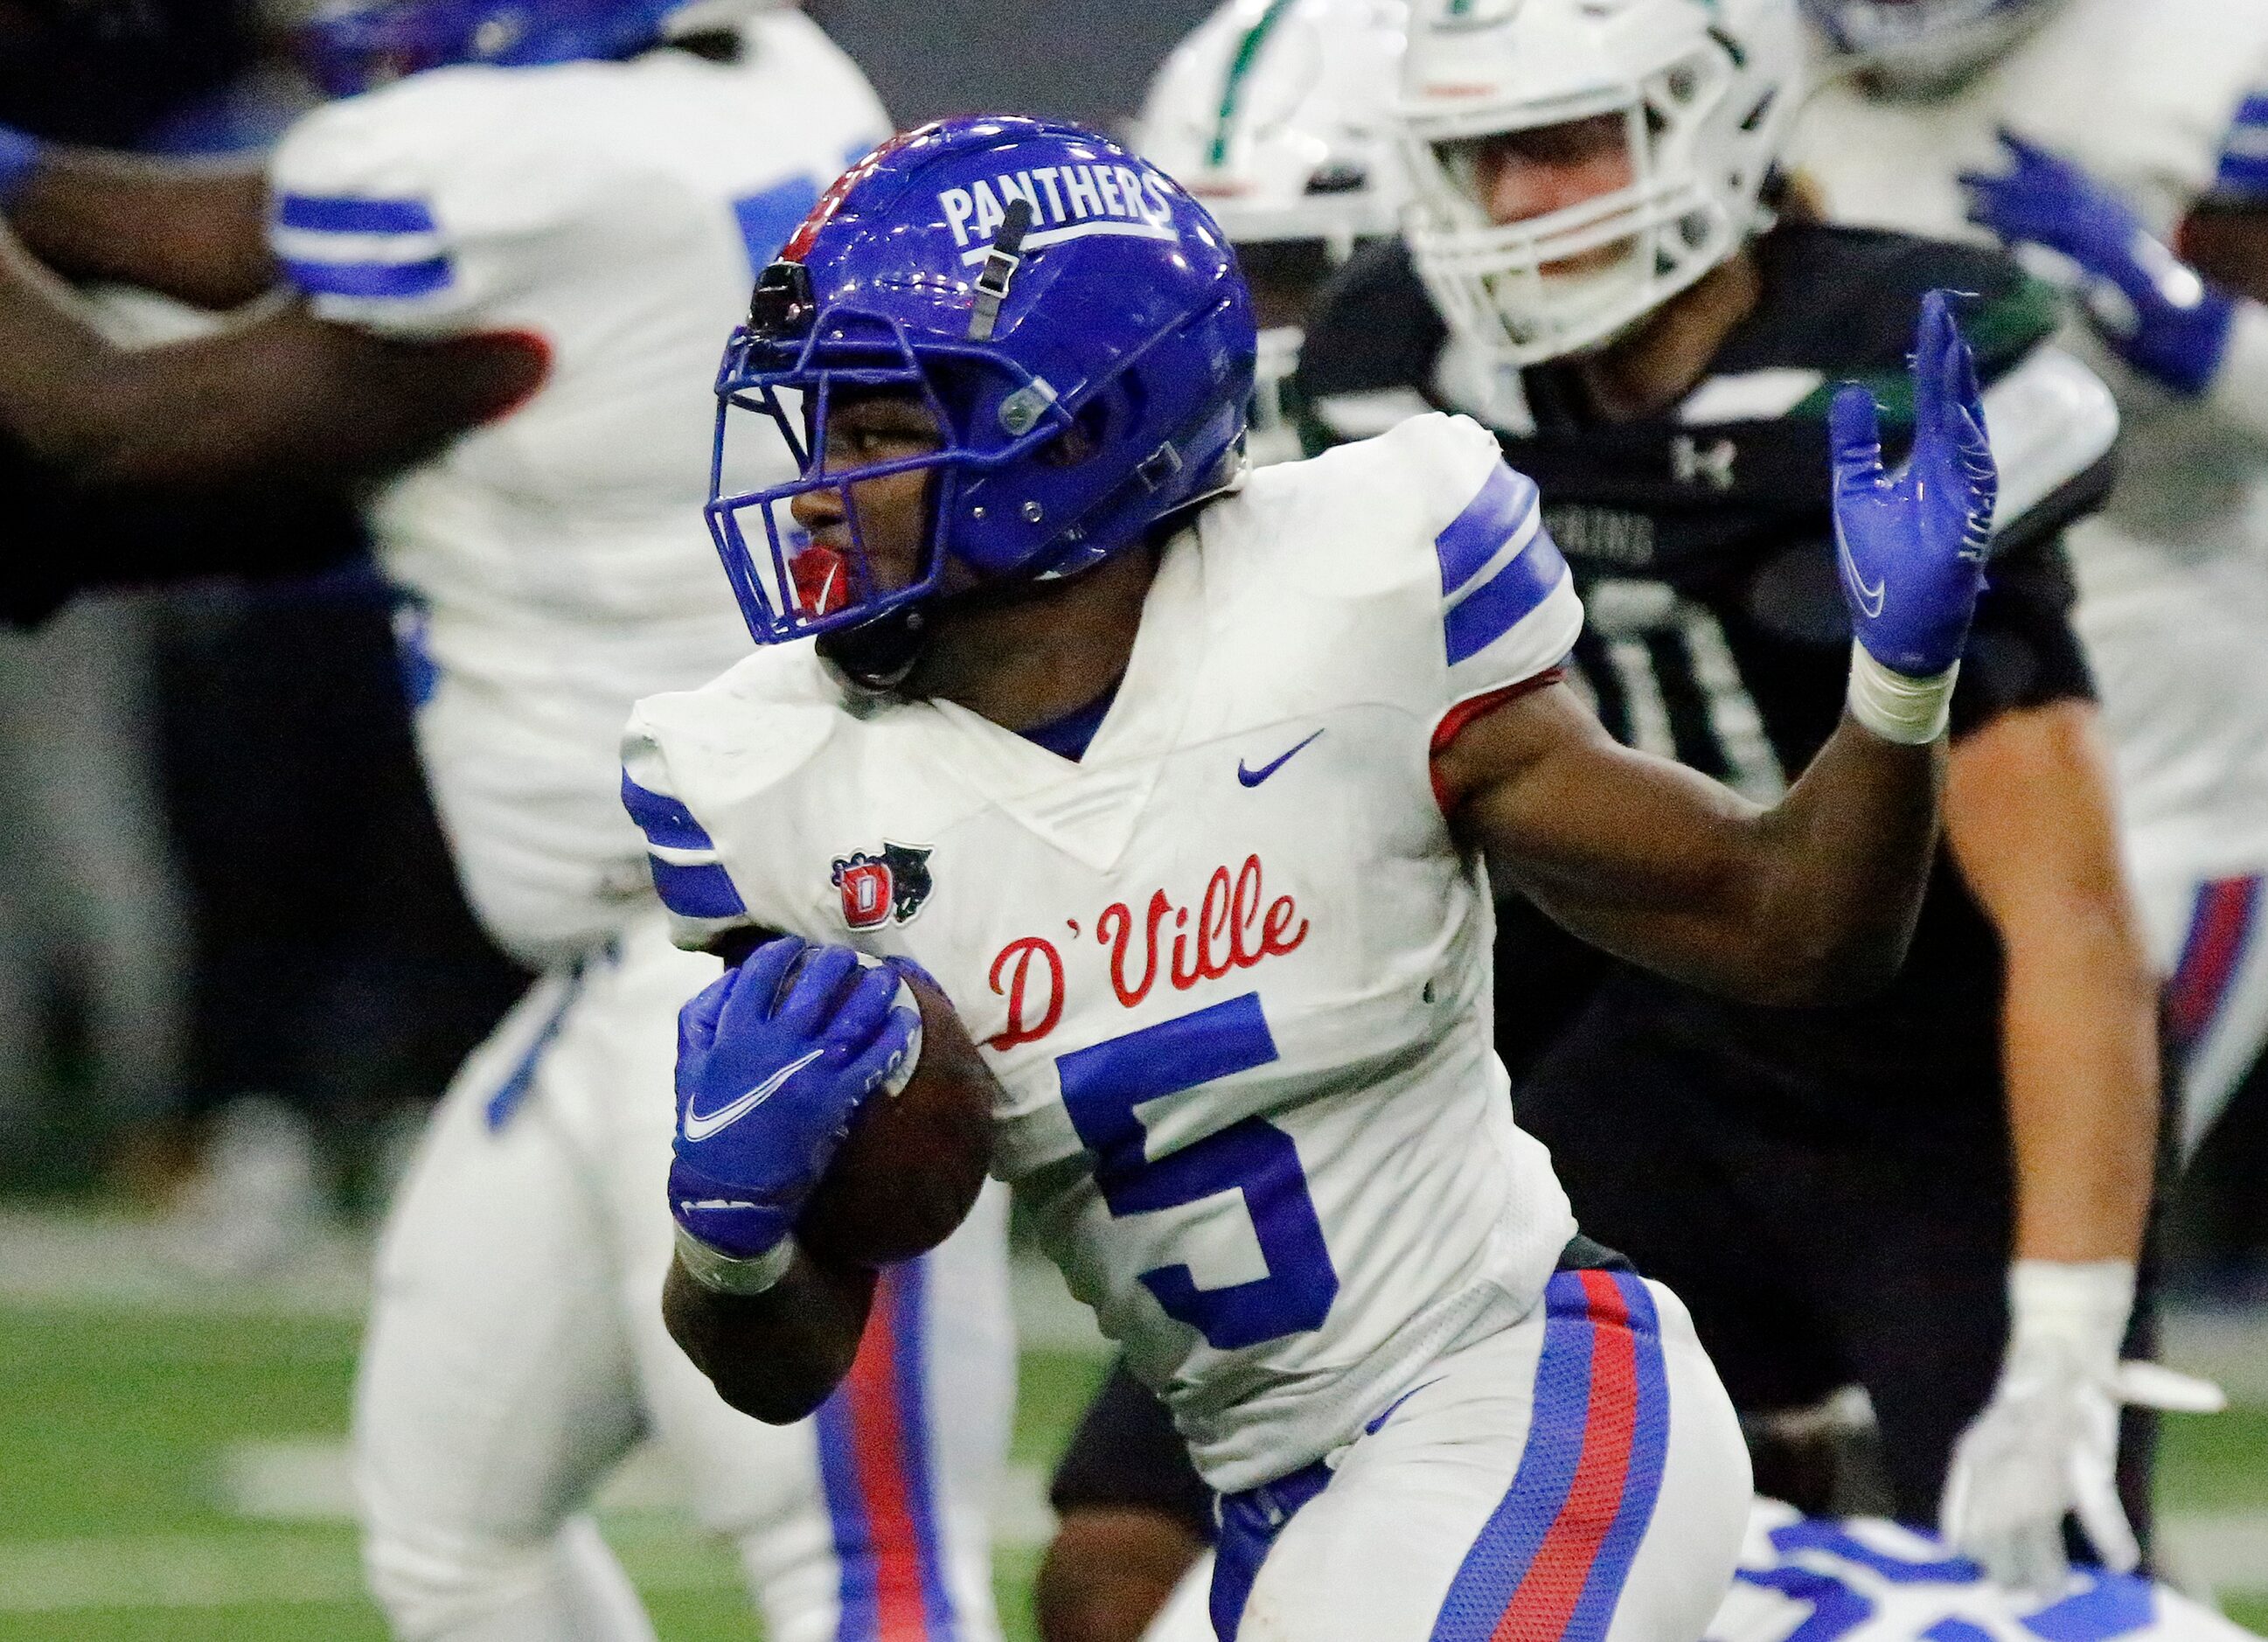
(909, 1170)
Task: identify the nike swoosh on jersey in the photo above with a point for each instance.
(1870, 599)
(701, 1125)
(1254, 778)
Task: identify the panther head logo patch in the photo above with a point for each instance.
(886, 887)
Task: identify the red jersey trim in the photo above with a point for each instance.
(1455, 722)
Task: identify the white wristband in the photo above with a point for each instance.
(721, 1273)
(1908, 711)
(2081, 1305)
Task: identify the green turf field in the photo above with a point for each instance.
(172, 1466)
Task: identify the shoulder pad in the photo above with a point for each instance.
(698, 765)
(1843, 301)
(414, 207)
(746, 730)
(1342, 517)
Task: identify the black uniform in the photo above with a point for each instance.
(1829, 1191)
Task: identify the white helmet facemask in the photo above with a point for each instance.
(1701, 102)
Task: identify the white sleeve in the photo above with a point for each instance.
(1507, 608)
(716, 779)
(410, 210)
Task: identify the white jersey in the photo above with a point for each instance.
(555, 561)
(1810, 1579)
(1230, 969)
(2174, 572)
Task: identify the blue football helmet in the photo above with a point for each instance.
(1926, 43)
(1073, 320)
(353, 45)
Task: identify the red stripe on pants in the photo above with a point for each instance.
(2215, 940)
(1554, 1581)
(877, 1452)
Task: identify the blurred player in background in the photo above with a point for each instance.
(2124, 128)
(496, 289)
(1906, 1192)
(1274, 114)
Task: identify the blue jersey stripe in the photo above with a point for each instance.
(1501, 603)
(2115, 1605)
(368, 279)
(1952, 1629)
(1490, 519)
(1823, 1534)
(2243, 173)
(1836, 1608)
(2253, 111)
(696, 891)
(667, 823)
(330, 214)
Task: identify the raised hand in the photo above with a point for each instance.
(2152, 308)
(1911, 544)
(769, 1077)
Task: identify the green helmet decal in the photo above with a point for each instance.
(1240, 66)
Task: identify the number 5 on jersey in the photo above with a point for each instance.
(1104, 1084)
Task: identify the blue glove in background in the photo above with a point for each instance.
(767, 1087)
(2152, 308)
(1910, 546)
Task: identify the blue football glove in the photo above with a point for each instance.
(2151, 307)
(767, 1086)
(1910, 546)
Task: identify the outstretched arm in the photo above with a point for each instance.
(1809, 901)
(1814, 898)
(195, 232)
(288, 392)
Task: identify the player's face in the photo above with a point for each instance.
(1518, 176)
(893, 509)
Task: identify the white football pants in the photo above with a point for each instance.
(515, 1353)
(1577, 1477)
(2206, 938)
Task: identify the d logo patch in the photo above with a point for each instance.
(886, 887)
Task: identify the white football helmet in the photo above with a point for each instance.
(1924, 44)
(1704, 89)
(1275, 114)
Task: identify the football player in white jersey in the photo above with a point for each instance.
(498, 283)
(1869, 1579)
(1273, 112)
(2173, 572)
(1866, 1580)
(1180, 783)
